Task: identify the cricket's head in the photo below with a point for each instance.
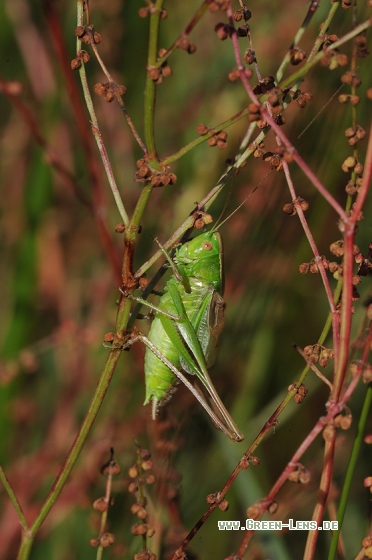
(204, 246)
(202, 258)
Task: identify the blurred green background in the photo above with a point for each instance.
(59, 290)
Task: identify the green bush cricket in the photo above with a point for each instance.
(186, 327)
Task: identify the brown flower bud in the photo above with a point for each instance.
(224, 505)
(100, 505)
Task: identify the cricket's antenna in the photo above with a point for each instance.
(224, 206)
(244, 201)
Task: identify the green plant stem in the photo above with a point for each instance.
(14, 500)
(103, 383)
(95, 126)
(350, 471)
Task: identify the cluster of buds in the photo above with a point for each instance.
(297, 55)
(216, 499)
(342, 421)
(215, 5)
(274, 159)
(157, 178)
(109, 90)
(333, 59)
(302, 98)
(353, 186)
(356, 366)
(275, 100)
(202, 220)
(87, 34)
(82, 57)
(361, 43)
(184, 44)
(300, 475)
(313, 265)
(349, 98)
(300, 394)
(291, 207)
(216, 138)
(354, 134)
(234, 75)
(110, 469)
(351, 163)
(351, 79)
(140, 474)
(316, 352)
(242, 13)
(266, 84)
(157, 73)
(144, 12)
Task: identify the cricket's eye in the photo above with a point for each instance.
(207, 245)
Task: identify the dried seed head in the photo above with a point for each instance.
(305, 476)
(133, 487)
(359, 168)
(202, 129)
(138, 529)
(367, 483)
(107, 539)
(133, 471)
(328, 432)
(273, 507)
(367, 544)
(150, 479)
(243, 30)
(337, 248)
(75, 63)
(253, 512)
(183, 42)
(100, 505)
(249, 56)
(244, 463)
(109, 337)
(222, 31)
(346, 422)
(303, 268)
(234, 75)
(238, 16)
(96, 37)
(166, 71)
(141, 513)
(143, 12)
(290, 209)
(294, 476)
(94, 543)
(297, 56)
(347, 77)
(255, 461)
(367, 374)
(224, 505)
(211, 499)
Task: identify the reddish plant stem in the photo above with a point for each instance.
(348, 271)
(325, 484)
(278, 131)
